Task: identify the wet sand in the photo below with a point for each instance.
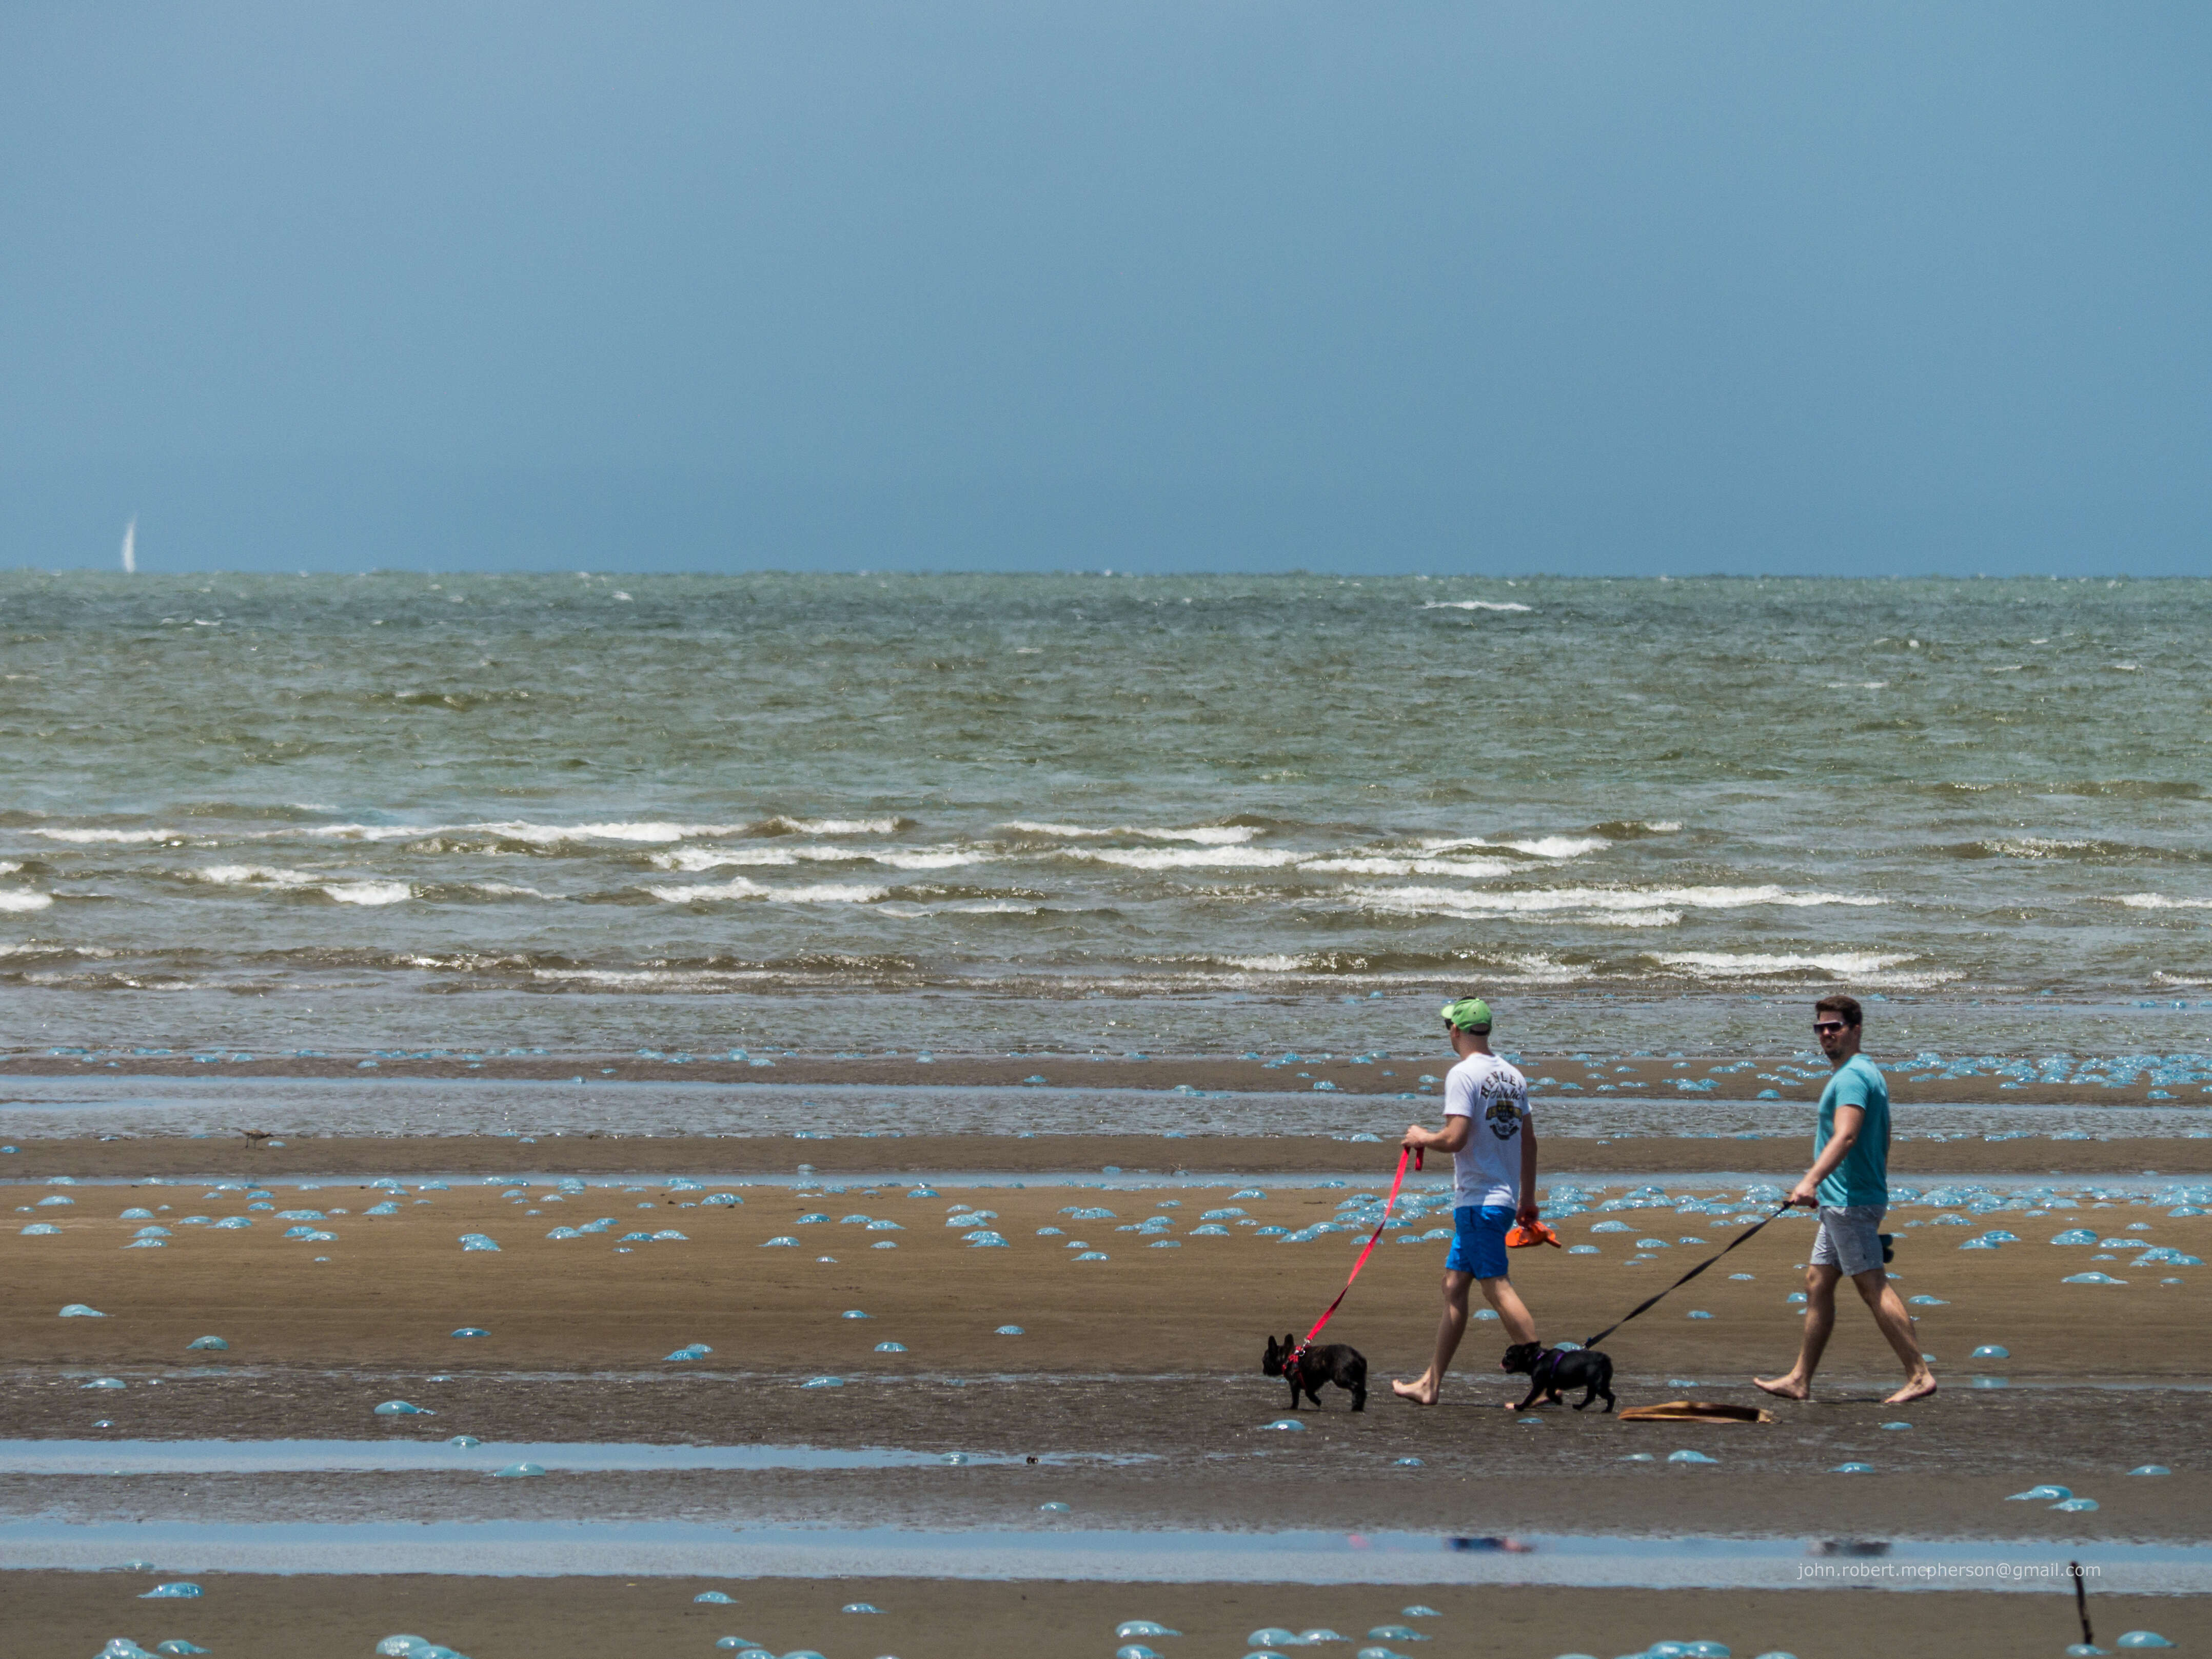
(309, 1157)
(1134, 1382)
(247, 1617)
(1151, 1354)
(1188, 1454)
(1625, 1075)
(394, 1287)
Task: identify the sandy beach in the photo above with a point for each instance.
(1133, 1381)
(264, 1618)
(393, 1287)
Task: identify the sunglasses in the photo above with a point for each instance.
(1827, 1025)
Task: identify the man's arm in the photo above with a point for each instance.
(1526, 1214)
(1453, 1136)
(1850, 1119)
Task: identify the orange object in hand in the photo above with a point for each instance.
(1535, 1233)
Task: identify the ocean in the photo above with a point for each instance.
(1134, 814)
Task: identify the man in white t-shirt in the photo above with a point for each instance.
(1492, 1141)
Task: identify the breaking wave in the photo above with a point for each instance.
(1594, 901)
(1204, 834)
(738, 887)
(368, 892)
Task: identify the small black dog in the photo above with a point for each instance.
(1338, 1363)
(1550, 1369)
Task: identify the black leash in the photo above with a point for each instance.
(1646, 1306)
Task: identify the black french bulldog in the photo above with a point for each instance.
(1550, 1369)
(1338, 1363)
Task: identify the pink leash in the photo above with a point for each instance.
(1404, 1156)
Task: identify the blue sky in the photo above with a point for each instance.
(1210, 286)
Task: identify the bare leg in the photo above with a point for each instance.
(1895, 1324)
(1512, 1312)
(1820, 1321)
(1423, 1389)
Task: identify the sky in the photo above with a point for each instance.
(1223, 285)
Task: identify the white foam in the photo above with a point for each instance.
(927, 857)
(735, 887)
(110, 837)
(738, 887)
(2160, 901)
(2034, 847)
(1471, 604)
(509, 889)
(1274, 964)
(646, 831)
(8, 867)
(652, 979)
(1559, 846)
(538, 835)
(1473, 869)
(369, 892)
(1662, 826)
(1204, 834)
(907, 910)
(1866, 967)
(833, 826)
(1542, 847)
(1595, 900)
(367, 831)
(250, 875)
(17, 898)
(1190, 858)
(692, 859)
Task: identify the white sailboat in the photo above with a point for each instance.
(130, 546)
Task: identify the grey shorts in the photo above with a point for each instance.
(1850, 1239)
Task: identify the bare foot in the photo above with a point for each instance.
(1918, 1389)
(1784, 1387)
(1422, 1390)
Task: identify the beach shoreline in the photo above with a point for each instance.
(1714, 1078)
(149, 1156)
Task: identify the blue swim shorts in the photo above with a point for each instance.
(1478, 1240)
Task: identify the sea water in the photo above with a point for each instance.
(501, 814)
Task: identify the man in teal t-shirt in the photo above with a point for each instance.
(1848, 1186)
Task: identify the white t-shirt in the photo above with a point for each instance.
(1496, 1096)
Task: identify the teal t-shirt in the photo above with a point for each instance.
(1863, 1176)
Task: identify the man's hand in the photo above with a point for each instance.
(1453, 1137)
(1806, 1192)
(1528, 1214)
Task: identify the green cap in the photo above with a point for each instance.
(1468, 1013)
